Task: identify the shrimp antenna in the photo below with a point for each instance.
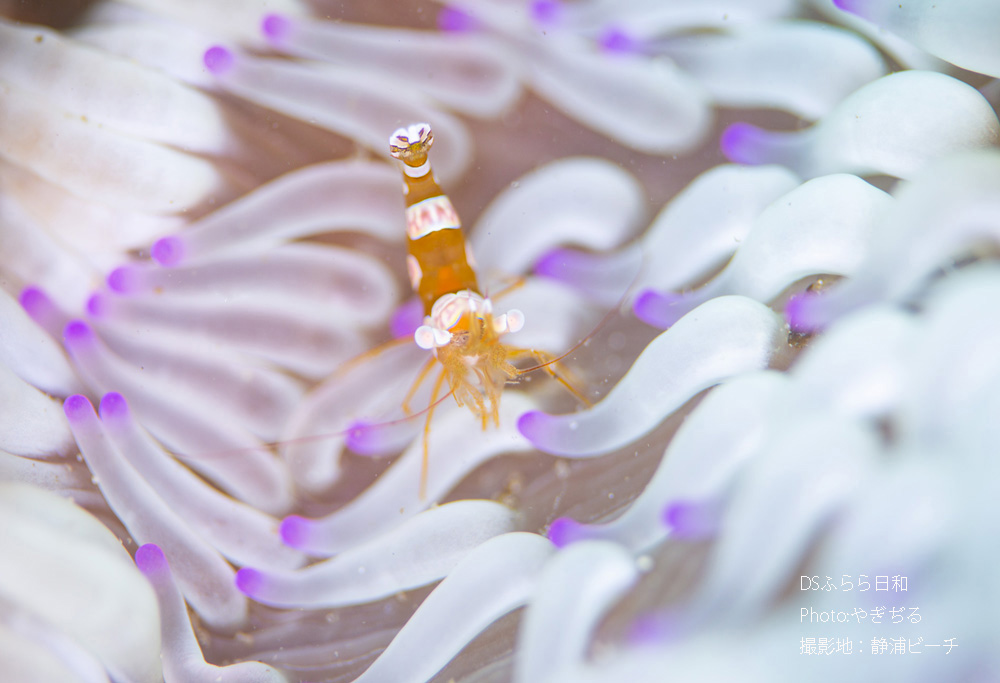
(601, 323)
(604, 321)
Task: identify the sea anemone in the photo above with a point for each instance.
(767, 239)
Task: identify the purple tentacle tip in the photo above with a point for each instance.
(294, 531)
(652, 629)
(688, 519)
(455, 20)
(357, 436)
(275, 27)
(847, 5)
(218, 59)
(35, 302)
(552, 263)
(659, 309)
(546, 12)
(617, 39)
(531, 424)
(76, 407)
(364, 438)
(150, 559)
(564, 531)
(113, 406)
(77, 332)
(168, 251)
(96, 305)
(738, 142)
(249, 581)
(673, 514)
(799, 313)
(407, 318)
(123, 280)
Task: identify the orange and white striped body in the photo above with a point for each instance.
(459, 325)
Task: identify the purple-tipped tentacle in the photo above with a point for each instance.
(96, 305)
(379, 440)
(395, 496)
(546, 13)
(616, 39)
(565, 530)
(744, 143)
(249, 581)
(847, 5)
(40, 308)
(204, 575)
(723, 337)
(532, 424)
(35, 301)
(218, 59)
(455, 20)
(242, 533)
(417, 552)
(800, 312)
(691, 519)
(125, 279)
(180, 652)
(275, 27)
(114, 407)
(150, 560)
(168, 251)
(601, 277)
(183, 421)
(661, 309)
(553, 263)
(78, 409)
(654, 629)
(295, 531)
(78, 335)
(407, 318)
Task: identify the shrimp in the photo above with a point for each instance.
(459, 327)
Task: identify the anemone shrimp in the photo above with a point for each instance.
(459, 326)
